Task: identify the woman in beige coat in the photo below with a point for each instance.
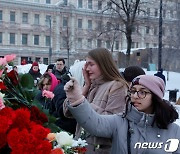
(106, 91)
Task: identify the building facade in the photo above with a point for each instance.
(44, 30)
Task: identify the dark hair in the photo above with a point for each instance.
(164, 112)
(61, 59)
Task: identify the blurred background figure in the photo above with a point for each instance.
(35, 72)
(160, 74)
(76, 71)
(23, 62)
(50, 68)
(131, 72)
(60, 70)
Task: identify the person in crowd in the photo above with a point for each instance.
(161, 75)
(49, 82)
(76, 71)
(60, 70)
(105, 89)
(23, 62)
(147, 120)
(131, 72)
(50, 68)
(35, 72)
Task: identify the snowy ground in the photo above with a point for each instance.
(172, 83)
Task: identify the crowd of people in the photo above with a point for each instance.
(115, 112)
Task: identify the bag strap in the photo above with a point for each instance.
(129, 139)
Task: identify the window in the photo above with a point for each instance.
(48, 1)
(36, 39)
(0, 14)
(65, 2)
(164, 13)
(89, 4)
(89, 43)
(47, 40)
(147, 45)
(108, 25)
(171, 14)
(25, 18)
(64, 42)
(1, 37)
(163, 31)
(79, 44)
(12, 16)
(89, 24)
(108, 44)
(48, 20)
(147, 29)
(109, 4)
(156, 12)
(80, 23)
(36, 19)
(80, 4)
(148, 12)
(99, 25)
(12, 38)
(65, 21)
(99, 5)
(137, 45)
(117, 45)
(24, 39)
(99, 43)
(155, 31)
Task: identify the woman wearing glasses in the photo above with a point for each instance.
(146, 127)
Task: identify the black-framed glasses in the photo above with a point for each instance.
(141, 93)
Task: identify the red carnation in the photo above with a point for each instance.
(13, 76)
(2, 86)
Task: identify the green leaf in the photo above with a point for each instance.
(27, 81)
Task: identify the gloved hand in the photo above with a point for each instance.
(73, 90)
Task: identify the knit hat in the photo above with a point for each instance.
(50, 66)
(35, 64)
(131, 72)
(153, 83)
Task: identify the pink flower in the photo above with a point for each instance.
(1, 104)
(10, 58)
(3, 61)
(48, 94)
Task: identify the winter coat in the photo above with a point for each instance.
(56, 109)
(61, 75)
(116, 127)
(35, 75)
(105, 97)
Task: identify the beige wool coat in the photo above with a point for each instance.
(106, 97)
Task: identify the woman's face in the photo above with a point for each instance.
(141, 98)
(45, 84)
(92, 69)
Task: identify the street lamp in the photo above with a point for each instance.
(160, 36)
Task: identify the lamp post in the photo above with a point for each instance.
(50, 48)
(160, 36)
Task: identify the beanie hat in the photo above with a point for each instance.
(131, 72)
(153, 83)
(50, 66)
(35, 64)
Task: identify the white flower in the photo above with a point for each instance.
(1, 95)
(79, 143)
(64, 139)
